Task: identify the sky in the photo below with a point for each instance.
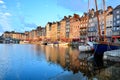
(25, 15)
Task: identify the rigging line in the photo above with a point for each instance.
(97, 13)
(104, 13)
(87, 21)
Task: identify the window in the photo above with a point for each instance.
(114, 19)
(114, 24)
(118, 16)
(110, 22)
(114, 28)
(118, 22)
(117, 11)
(117, 28)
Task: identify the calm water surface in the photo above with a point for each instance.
(35, 62)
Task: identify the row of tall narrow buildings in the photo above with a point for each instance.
(75, 27)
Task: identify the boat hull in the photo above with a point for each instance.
(101, 48)
(84, 48)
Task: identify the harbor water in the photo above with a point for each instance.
(40, 62)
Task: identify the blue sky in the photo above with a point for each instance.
(25, 15)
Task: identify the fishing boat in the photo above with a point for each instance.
(86, 47)
(102, 46)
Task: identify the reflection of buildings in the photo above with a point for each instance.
(72, 60)
(56, 54)
(66, 57)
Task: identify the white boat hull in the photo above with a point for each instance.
(85, 48)
(88, 47)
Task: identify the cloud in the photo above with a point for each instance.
(5, 18)
(1, 2)
(5, 21)
(26, 25)
(18, 5)
(7, 14)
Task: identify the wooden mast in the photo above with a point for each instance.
(87, 22)
(97, 13)
(104, 13)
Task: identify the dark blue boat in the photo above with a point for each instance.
(102, 47)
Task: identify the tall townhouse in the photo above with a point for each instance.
(26, 35)
(30, 36)
(16, 35)
(67, 30)
(53, 34)
(38, 29)
(63, 29)
(106, 29)
(34, 32)
(109, 23)
(116, 23)
(92, 25)
(83, 27)
(48, 31)
(43, 33)
(22, 36)
(58, 30)
(74, 27)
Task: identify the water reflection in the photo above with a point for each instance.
(68, 58)
(36, 62)
(75, 61)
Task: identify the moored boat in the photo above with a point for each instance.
(102, 47)
(113, 55)
(86, 47)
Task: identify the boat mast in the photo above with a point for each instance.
(104, 13)
(87, 22)
(97, 13)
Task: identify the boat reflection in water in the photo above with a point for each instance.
(74, 60)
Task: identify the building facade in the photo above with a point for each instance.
(63, 29)
(74, 27)
(109, 23)
(116, 23)
(67, 29)
(83, 27)
(48, 30)
(54, 32)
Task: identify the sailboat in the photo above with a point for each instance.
(102, 46)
